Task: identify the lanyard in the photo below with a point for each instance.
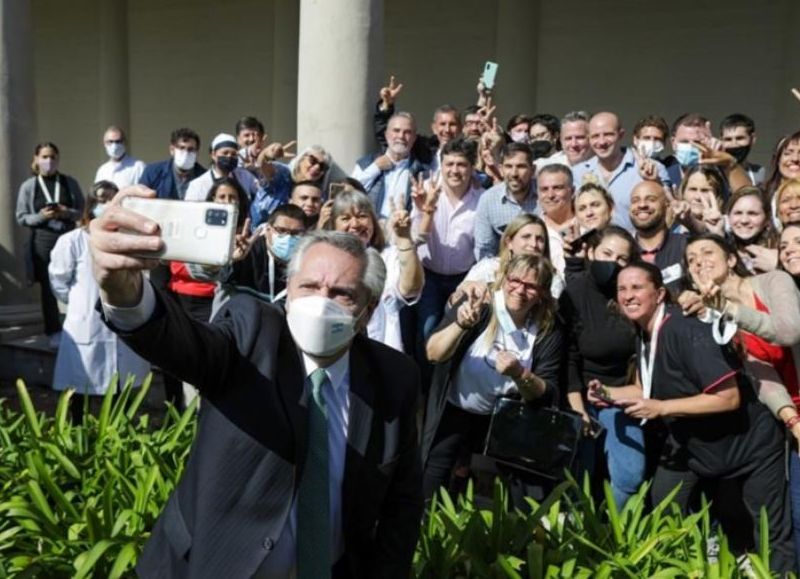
(46, 191)
(646, 363)
(271, 274)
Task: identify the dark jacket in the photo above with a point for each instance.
(161, 177)
(246, 464)
(548, 353)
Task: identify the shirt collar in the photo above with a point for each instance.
(337, 372)
(507, 198)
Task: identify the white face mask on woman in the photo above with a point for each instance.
(320, 326)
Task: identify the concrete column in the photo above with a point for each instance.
(285, 35)
(340, 64)
(18, 303)
(113, 86)
(517, 53)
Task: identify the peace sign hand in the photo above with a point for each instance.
(243, 242)
(468, 313)
(647, 169)
(399, 220)
(716, 157)
(388, 94)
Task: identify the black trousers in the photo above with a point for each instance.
(458, 430)
(763, 486)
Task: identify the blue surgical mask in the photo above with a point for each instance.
(283, 246)
(687, 155)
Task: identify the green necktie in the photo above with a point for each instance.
(313, 497)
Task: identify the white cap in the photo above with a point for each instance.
(224, 140)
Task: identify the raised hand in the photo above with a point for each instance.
(244, 240)
(648, 170)
(113, 238)
(691, 303)
(425, 194)
(468, 313)
(716, 157)
(388, 94)
(762, 258)
(325, 213)
(399, 220)
(680, 208)
(712, 216)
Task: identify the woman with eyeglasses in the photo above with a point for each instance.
(352, 212)
(511, 346)
(312, 165)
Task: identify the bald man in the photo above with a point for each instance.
(615, 167)
(657, 244)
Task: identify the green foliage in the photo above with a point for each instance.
(570, 536)
(80, 500)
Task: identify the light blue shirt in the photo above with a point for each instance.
(395, 184)
(281, 563)
(623, 179)
(495, 209)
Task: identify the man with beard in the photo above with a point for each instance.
(657, 244)
(500, 204)
(387, 177)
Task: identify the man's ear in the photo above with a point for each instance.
(621, 133)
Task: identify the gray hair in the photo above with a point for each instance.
(350, 200)
(557, 168)
(575, 116)
(403, 115)
(374, 270)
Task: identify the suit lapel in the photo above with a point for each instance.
(290, 378)
(361, 445)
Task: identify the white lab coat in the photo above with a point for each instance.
(89, 353)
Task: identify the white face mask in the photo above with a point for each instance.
(183, 159)
(520, 136)
(503, 317)
(650, 148)
(320, 326)
(115, 150)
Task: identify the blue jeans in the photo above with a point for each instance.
(794, 494)
(624, 450)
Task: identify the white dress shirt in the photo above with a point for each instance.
(123, 173)
(281, 563)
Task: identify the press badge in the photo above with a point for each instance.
(672, 273)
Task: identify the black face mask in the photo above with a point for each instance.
(739, 153)
(605, 274)
(541, 148)
(227, 164)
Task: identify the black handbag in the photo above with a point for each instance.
(543, 441)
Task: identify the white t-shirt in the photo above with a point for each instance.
(477, 383)
(123, 173)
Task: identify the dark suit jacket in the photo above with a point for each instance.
(233, 500)
(160, 177)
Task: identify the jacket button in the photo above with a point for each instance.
(268, 544)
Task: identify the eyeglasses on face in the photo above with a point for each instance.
(516, 283)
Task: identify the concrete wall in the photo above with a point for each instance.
(204, 63)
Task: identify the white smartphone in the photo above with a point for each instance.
(193, 232)
(489, 74)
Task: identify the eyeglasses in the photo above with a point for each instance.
(530, 289)
(314, 161)
(286, 231)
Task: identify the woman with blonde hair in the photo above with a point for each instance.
(510, 346)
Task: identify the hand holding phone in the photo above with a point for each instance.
(192, 232)
(489, 74)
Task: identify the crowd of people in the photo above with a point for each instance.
(544, 259)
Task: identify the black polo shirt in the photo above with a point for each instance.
(689, 362)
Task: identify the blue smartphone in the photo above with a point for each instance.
(489, 73)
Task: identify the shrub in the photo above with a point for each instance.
(80, 500)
